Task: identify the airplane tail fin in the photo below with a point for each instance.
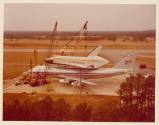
(127, 62)
(95, 52)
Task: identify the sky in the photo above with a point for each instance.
(71, 17)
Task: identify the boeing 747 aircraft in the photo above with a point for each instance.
(79, 76)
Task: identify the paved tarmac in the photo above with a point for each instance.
(105, 86)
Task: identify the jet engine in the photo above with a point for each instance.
(90, 67)
(64, 81)
(75, 83)
(71, 82)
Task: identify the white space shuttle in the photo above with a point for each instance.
(92, 61)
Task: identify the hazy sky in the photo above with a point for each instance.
(106, 17)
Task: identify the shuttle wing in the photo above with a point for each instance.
(78, 79)
(81, 66)
(76, 65)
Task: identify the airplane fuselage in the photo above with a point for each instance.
(84, 73)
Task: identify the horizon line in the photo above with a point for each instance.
(78, 30)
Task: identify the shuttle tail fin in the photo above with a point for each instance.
(127, 62)
(95, 52)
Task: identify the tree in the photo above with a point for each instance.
(43, 110)
(82, 112)
(13, 111)
(25, 111)
(61, 110)
(106, 113)
(148, 98)
(137, 97)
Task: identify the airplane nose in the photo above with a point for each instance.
(49, 61)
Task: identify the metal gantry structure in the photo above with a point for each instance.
(77, 38)
(52, 45)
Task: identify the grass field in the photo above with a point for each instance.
(15, 63)
(118, 44)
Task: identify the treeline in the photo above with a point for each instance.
(137, 103)
(49, 110)
(89, 38)
(91, 35)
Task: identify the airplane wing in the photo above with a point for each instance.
(78, 79)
